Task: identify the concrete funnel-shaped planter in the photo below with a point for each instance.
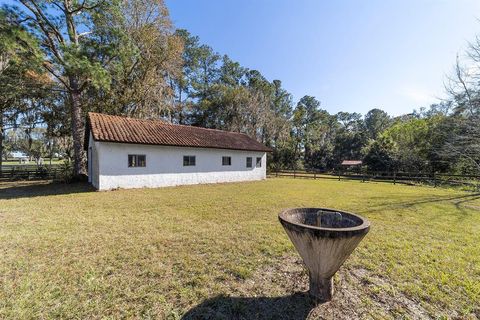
(324, 238)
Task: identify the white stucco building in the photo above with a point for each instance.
(132, 153)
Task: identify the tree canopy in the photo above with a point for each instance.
(60, 59)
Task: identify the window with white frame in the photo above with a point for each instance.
(226, 161)
(249, 162)
(188, 161)
(259, 162)
(137, 160)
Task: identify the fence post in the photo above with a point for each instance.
(314, 175)
(434, 180)
(394, 177)
(294, 173)
(338, 174)
(276, 172)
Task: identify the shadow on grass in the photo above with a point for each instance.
(296, 306)
(30, 189)
(458, 201)
(462, 203)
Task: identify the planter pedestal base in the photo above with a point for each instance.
(321, 290)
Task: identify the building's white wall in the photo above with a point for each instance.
(165, 166)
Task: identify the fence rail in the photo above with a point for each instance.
(29, 172)
(435, 179)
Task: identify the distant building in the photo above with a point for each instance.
(351, 163)
(19, 155)
(133, 153)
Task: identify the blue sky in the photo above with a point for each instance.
(351, 55)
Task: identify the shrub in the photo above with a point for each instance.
(42, 172)
(66, 171)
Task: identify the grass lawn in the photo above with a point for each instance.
(218, 251)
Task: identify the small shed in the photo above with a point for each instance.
(351, 166)
(351, 163)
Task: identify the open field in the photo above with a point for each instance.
(218, 251)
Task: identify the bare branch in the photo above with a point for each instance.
(84, 7)
(42, 18)
(85, 33)
(46, 65)
(45, 25)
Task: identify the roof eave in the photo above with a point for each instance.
(182, 146)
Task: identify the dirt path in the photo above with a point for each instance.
(278, 292)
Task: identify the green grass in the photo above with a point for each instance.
(68, 252)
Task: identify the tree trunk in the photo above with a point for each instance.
(51, 150)
(77, 128)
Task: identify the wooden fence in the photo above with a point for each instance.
(434, 179)
(29, 172)
(49, 172)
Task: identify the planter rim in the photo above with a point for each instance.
(364, 225)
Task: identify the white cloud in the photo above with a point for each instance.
(419, 96)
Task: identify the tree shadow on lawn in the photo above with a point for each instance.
(462, 203)
(295, 306)
(30, 189)
(458, 201)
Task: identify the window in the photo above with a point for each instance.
(259, 162)
(137, 160)
(188, 161)
(249, 162)
(226, 161)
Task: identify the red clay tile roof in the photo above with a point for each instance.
(107, 128)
